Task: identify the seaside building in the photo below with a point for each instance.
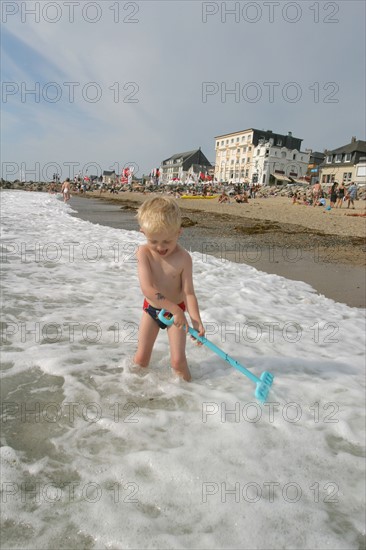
(238, 160)
(345, 164)
(360, 177)
(313, 172)
(183, 166)
(109, 176)
(273, 165)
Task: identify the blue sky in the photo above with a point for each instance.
(124, 82)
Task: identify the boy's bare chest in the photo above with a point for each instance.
(167, 271)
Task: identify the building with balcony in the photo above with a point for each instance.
(345, 164)
(236, 160)
(274, 165)
(181, 166)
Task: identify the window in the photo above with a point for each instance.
(329, 159)
(227, 142)
(237, 139)
(232, 161)
(243, 138)
(217, 143)
(294, 156)
(238, 150)
(232, 140)
(338, 157)
(258, 151)
(279, 142)
(222, 143)
(267, 153)
(249, 149)
(283, 154)
(347, 157)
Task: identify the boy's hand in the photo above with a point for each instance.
(180, 320)
(201, 331)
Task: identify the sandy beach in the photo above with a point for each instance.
(338, 221)
(323, 248)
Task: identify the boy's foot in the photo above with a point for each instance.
(183, 373)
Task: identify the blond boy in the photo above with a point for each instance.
(165, 274)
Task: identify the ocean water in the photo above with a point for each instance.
(98, 454)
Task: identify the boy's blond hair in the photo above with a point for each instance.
(159, 214)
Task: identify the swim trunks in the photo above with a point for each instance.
(154, 312)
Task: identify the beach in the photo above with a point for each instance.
(323, 248)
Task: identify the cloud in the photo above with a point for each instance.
(131, 84)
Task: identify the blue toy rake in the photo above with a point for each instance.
(263, 383)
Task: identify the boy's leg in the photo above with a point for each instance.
(148, 332)
(178, 360)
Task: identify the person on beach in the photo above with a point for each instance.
(223, 198)
(296, 198)
(241, 198)
(317, 190)
(340, 195)
(65, 189)
(321, 201)
(305, 200)
(333, 194)
(351, 195)
(165, 275)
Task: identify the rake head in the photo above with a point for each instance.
(263, 387)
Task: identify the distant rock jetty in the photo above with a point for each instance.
(28, 186)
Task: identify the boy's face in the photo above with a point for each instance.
(163, 242)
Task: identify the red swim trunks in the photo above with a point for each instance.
(154, 312)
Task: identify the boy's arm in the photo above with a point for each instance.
(151, 290)
(191, 300)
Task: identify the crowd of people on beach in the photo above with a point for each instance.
(338, 195)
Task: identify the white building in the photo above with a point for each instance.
(273, 164)
(236, 155)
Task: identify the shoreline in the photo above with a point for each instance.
(332, 264)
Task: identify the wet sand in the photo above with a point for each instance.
(255, 234)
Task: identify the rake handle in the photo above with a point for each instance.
(213, 347)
